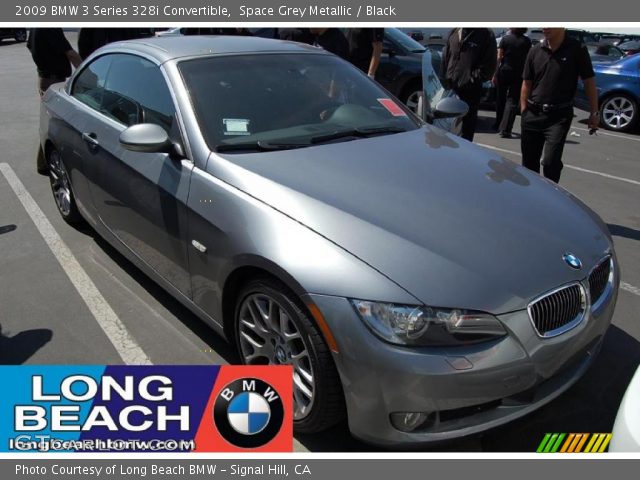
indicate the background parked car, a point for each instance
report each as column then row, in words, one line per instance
column 618, row 93
column 18, row 34
column 604, row 52
column 615, row 38
column 626, row 429
column 631, row 47
column 400, row 69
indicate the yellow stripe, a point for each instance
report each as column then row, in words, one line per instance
column 584, row 439
column 595, row 448
column 594, row 437
column 567, row 442
column 604, row 445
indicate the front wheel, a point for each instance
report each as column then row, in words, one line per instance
column 20, row 35
column 61, row 188
column 619, row 112
column 272, row 328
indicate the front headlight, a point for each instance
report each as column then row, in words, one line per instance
column 427, row 326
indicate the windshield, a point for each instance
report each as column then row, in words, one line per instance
column 287, row 100
column 403, row 40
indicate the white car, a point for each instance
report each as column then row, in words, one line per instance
column 626, row 429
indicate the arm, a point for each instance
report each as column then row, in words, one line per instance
column 524, row 94
column 592, row 95
column 73, row 57
column 588, row 77
column 375, row 58
column 499, row 58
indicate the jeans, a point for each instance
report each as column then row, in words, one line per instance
column 548, row 131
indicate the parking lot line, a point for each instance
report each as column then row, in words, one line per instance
column 600, row 132
column 114, row 329
column 572, row 167
column 630, row 288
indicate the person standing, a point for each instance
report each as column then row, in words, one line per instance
column 365, row 48
column 332, row 40
column 512, row 53
column 549, row 84
column 91, row 39
column 469, row 60
column 53, row 56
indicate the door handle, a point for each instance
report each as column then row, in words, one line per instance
column 91, row 139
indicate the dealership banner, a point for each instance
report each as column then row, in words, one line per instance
column 307, row 468
column 96, row 409
column 179, row 12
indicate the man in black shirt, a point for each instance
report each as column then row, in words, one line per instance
column 332, row 40
column 549, row 84
column 301, row 35
column 91, row 39
column 365, row 48
column 52, row 55
column 512, row 53
column 469, row 60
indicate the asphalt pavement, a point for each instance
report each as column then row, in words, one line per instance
column 67, row 297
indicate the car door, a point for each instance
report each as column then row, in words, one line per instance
column 433, row 92
column 390, row 66
column 140, row 197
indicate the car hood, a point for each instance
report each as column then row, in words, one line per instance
column 454, row 224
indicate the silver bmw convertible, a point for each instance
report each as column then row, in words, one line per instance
column 422, row 287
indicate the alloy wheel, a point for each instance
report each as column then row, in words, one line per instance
column 60, row 184
column 618, row 112
column 413, row 100
column 270, row 336
column 20, row 35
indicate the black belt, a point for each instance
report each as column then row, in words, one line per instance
column 549, row 107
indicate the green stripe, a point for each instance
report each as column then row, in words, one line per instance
column 547, row 449
column 543, row 443
column 558, row 443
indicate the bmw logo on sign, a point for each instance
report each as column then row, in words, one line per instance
column 573, row 261
column 248, row 412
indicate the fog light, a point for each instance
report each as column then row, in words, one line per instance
column 412, row 421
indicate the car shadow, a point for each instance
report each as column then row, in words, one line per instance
column 179, row 311
column 589, row 406
column 18, row 348
column 622, row 231
column 7, row 42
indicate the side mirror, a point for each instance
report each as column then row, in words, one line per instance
column 146, row 137
column 450, row 107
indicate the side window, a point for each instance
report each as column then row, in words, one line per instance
column 136, row 92
column 89, row 85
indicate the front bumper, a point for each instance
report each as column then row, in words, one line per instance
column 471, row 388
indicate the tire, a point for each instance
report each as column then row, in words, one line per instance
column 619, row 112
column 259, row 343
column 20, row 35
column 61, row 189
column 410, row 95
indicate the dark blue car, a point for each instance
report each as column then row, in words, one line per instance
column 618, row 93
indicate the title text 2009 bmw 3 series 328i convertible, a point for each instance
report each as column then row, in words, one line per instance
column 420, row 285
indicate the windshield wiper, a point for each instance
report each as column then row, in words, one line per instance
column 355, row 132
column 260, row 146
